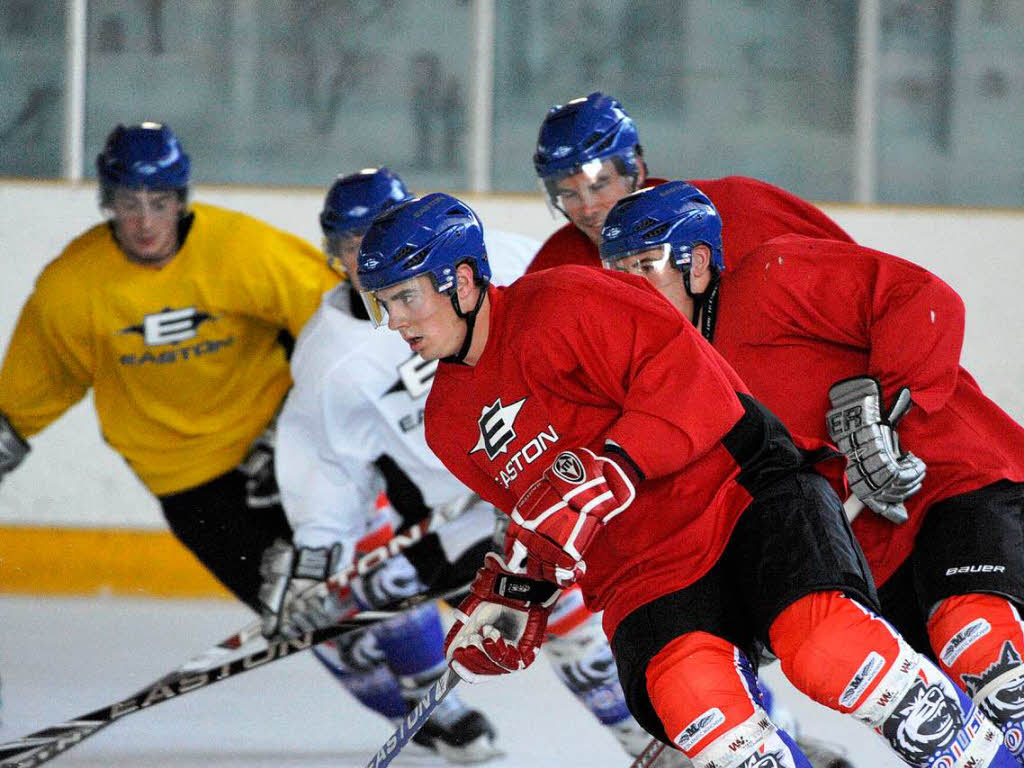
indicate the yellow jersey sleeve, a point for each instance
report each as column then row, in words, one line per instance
column 48, row 364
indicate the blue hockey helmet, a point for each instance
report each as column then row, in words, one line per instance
column 586, row 129
column 675, row 214
column 147, row 155
column 353, row 201
column 431, row 235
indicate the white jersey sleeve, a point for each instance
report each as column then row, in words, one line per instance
column 358, row 395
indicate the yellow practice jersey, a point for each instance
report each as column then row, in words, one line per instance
column 184, row 360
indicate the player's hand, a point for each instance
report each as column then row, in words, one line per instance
column 386, row 583
column 559, row 516
column 261, row 489
column 501, row 623
column 293, row 598
column 880, row 474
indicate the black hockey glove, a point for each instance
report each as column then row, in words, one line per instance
column 261, row 489
column 13, row 448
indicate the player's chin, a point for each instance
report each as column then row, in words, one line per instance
column 593, row 232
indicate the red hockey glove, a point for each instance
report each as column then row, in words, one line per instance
column 501, row 623
column 560, row 514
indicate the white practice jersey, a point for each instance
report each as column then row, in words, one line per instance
column 359, row 395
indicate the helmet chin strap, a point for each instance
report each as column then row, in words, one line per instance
column 705, row 301
column 470, row 318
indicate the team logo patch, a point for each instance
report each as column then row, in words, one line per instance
column 568, row 467
column 863, row 677
column 169, row 326
column 497, row 427
column 415, row 376
column 963, row 640
column 699, row 728
column 925, row 721
column 1006, row 702
column 767, row 760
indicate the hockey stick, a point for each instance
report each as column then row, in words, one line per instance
column 414, row 720
column 650, row 755
column 336, row 583
column 44, row 745
column 853, row 507
column 210, row 667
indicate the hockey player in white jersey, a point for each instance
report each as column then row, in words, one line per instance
column 352, row 423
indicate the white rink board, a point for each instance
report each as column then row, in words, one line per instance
column 72, row 479
column 61, row 658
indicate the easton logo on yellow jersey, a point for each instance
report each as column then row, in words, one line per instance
column 169, row 326
column 172, row 326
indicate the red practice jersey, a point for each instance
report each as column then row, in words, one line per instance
column 752, row 212
column 800, row 313
column 590, row 355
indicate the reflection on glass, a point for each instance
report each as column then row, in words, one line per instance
column 31, row 87
column 288, row 91
column 951, row 103
column 717, row 87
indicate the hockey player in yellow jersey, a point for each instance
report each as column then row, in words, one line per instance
column 171, row 312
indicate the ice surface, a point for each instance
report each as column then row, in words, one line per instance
column 63, row 657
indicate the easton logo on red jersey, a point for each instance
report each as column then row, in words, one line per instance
column 497, row 427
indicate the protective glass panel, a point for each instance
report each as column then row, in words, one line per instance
column 951, row 103
column 31, row 87
column 288, row 92
column 716, row 87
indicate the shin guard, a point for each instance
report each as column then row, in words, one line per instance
column 705, row 693
column 845, row 657
column 979, row 641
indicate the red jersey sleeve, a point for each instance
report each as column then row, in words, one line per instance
column 676, row 394
column 910, row 322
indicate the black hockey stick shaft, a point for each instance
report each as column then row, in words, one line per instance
column 206, row 668
column 44, row 745
column 415, row 720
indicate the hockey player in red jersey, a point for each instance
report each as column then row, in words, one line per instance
column 633, row 461
column 825, row 333
column 589, row 156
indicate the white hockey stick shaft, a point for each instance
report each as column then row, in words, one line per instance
column 853, row 507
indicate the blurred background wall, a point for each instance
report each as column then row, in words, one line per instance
column 905, row 119
column 888, row 101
